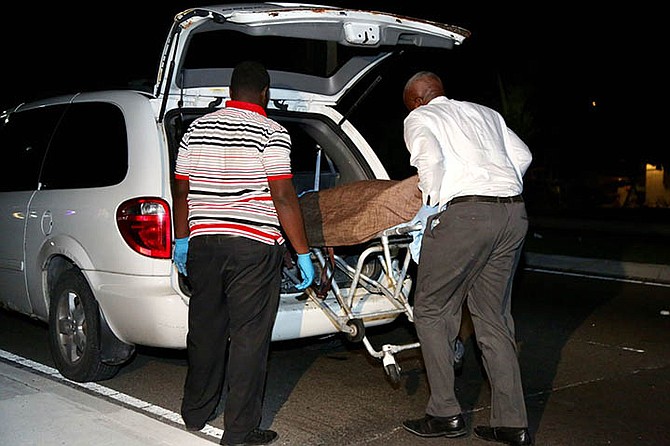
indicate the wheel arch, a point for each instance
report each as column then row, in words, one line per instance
column 113, row 351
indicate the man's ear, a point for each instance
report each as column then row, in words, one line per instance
column 414, row 103
column 266, row 96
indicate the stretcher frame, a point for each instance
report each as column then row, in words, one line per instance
column 391, row 249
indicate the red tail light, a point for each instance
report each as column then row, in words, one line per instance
column 146, row 226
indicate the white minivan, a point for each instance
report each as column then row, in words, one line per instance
column 85, row 204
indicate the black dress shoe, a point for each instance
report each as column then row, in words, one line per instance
column 430, row 426
column 257, row 437
column 515, row 436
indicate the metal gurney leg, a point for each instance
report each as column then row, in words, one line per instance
column 348, row 316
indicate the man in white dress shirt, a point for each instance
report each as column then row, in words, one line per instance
column 471, row 167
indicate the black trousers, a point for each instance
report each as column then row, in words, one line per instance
column 235, row 296
column 471, row 250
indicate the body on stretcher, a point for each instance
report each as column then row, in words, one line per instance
column 359, row 234
column 366, row 290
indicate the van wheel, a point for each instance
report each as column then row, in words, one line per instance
column 74, row 331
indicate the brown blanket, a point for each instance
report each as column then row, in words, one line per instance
column 357, row 212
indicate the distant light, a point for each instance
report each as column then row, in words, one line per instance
column 593, row 103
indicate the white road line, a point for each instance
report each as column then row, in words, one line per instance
column 595, row 276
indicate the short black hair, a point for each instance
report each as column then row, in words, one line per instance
column 249, row 77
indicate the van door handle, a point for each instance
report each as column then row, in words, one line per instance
column 47, row 223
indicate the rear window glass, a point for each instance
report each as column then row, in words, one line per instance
column 225, row 49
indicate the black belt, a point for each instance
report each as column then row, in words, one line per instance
column 485, row 199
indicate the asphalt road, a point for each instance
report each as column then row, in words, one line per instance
column 595, row 357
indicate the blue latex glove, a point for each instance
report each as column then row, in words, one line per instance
column 417, row 236
column 422, row 216
column 306, row 271
column 180, row 253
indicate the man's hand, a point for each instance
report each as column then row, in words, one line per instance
column 180, row 254
column 422, row 216
column 306, row 271
column 417, row 236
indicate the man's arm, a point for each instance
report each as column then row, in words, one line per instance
column 518, row 151
column 180, row 190
column 290, row 216
column 426, row 156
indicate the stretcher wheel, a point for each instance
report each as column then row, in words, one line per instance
column 358, row 330
column 393, row 372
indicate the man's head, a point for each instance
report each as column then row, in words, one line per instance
column 421, row 88
column 250, row 82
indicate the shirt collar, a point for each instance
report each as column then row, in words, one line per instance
column 246, row 106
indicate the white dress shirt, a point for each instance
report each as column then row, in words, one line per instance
column 461, row 148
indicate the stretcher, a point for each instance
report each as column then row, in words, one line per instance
column 362, row 281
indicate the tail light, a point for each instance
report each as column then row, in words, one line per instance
column 146, row 226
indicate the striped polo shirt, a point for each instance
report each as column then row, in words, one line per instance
column 229, row 157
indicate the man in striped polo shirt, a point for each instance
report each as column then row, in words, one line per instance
column 234, row 202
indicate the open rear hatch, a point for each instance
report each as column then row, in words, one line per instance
column 313, row 53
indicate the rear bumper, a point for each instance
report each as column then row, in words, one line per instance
column 144, row 310
column 150, row 311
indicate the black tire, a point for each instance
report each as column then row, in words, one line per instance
column 74, row 331
column 358, row 332
column 372, row 267
column 393, row 372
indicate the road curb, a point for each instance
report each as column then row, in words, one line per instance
column 603, row 267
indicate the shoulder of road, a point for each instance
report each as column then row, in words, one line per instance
column 40, row 407
column 629, row 246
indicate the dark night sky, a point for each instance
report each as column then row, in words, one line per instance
column 564, row 57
